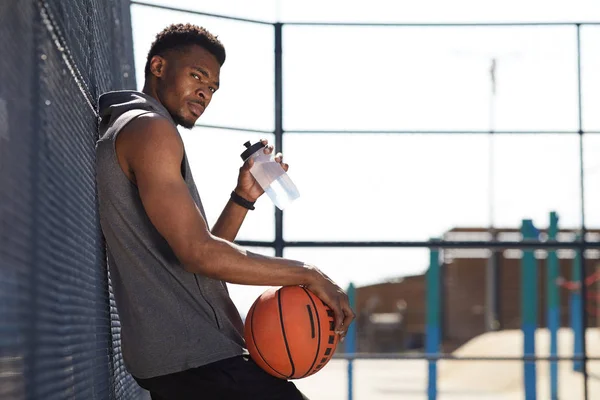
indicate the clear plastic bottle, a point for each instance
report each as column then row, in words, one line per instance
column 270, row 175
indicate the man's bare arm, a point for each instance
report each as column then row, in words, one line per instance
column 152, row 150
column 230, row 221
column 233, row 215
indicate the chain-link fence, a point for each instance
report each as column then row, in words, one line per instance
column 59, row 335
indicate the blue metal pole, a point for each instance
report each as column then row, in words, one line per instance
column 529, row 309
column 576, row 311
column 432, row 329
column 351, row 341
column 553, row 305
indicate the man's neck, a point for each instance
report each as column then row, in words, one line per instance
column 150, row 91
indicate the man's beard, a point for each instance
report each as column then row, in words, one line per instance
column 182, row 122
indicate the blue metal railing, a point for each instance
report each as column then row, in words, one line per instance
column 529, row 313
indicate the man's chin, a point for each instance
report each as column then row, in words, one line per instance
column 186, row 123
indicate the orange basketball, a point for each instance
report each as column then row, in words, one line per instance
column 289, row 332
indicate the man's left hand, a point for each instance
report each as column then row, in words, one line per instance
column 247, row 187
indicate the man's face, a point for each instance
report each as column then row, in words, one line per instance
column 186, row 81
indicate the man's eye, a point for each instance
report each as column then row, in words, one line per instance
column 195, row 76
column 212, row 90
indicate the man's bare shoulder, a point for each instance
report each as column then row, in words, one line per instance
column 149, row 141
column 151, row 131
column 150, row 125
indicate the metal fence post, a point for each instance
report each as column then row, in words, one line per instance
column 553, row 303
column 576, row 310
column 432, row 327
column 351, row 341
column 529, row 303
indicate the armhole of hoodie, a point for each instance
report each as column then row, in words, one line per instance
column 117, row 128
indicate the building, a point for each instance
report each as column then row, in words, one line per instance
column 391, row 315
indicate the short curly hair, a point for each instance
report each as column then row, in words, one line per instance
column 178, row 36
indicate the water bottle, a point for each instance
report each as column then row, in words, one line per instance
column 270, row 175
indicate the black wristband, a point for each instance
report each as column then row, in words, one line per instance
column 237, row 199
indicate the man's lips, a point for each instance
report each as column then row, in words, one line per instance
column 196, row 108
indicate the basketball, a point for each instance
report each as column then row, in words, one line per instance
column 289, row 332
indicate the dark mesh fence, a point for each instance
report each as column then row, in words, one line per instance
column 59, row 331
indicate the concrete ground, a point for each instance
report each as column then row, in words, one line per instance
column 460, row 380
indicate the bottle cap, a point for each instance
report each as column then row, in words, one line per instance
column 251, row 149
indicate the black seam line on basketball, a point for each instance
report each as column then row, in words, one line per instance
column 287, row 348
column 318, row 330
column 258, row 348
column 312, row 322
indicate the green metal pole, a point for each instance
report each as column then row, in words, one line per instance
column 529, row 309
column 432, row 323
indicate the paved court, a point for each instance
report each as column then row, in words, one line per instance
column 459, row 380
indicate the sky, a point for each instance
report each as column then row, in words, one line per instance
column 358, row 186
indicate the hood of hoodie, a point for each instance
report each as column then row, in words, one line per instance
column 111, row 105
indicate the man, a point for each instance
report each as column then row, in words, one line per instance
column 182, row 336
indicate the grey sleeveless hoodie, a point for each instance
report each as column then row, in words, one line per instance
column 171, row 320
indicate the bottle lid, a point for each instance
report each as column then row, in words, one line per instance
column 251, row 149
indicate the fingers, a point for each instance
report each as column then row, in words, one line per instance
column 248, row 164
column 348, row 317
column 334, row 304
column 338, row 315
column 343, row 314
column 279, row 159
column 336, row 300
column 269, row 148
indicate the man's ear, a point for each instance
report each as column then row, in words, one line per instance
column 157, row 66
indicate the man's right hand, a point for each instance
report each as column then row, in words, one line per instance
column 325, row 289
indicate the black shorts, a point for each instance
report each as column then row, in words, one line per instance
column 237, row 378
